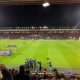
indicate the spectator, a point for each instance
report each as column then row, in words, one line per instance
column 1, row 76
column 6, row 74
column 22, row 75
column 45, row 76
column 36, row 76
column 28, row 77
column 13, row 71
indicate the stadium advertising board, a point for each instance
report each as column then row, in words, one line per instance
column 5, row 53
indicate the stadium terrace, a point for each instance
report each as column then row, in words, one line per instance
column 60, row 34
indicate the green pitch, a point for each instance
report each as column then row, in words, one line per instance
column 62, row 53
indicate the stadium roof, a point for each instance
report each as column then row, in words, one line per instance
column 36, row 2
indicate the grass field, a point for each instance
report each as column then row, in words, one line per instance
column 62, row 53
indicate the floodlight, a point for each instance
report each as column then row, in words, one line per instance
column 46, row 4
column 32, row 27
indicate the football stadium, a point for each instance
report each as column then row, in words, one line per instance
column 40, row 40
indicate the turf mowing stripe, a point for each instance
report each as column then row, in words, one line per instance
column 69, row 55
column 8, row 59
column 75, row 53
column 42, row 52
column 56, row 56
column 26, row 53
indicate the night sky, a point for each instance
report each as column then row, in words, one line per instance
column 37, row 15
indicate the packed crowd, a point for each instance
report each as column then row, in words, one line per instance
column 59, row 34
column 25, row 74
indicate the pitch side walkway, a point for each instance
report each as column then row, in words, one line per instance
column 73, row 70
